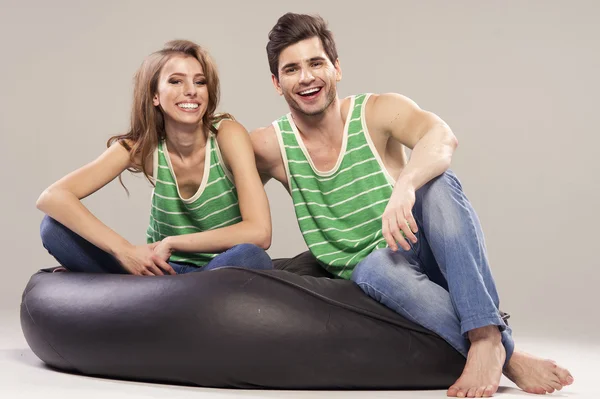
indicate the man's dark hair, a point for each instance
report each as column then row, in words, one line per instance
column 292, row 28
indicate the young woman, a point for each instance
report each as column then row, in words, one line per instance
column 209, row 208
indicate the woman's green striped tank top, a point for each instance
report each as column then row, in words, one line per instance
column 214, row 205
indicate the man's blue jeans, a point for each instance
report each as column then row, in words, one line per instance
column 77, row 254
column 444, row 282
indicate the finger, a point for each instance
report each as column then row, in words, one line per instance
column 414, row 227
column 145, row 272
column 398, row 237
column 403, row 224
column 385, row 230
column 154, row 244
column 163, row 265
column 154, row 270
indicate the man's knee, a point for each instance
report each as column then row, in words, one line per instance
column 444, row 186
column 442, row 200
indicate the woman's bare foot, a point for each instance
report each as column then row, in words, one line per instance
column 483, row 370
column 535, row 375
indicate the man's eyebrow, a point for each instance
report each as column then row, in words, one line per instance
column 294, row 64
column 289, row 64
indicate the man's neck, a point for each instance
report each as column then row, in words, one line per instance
column 328, row 124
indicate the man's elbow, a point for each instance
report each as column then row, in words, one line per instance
column 450, row 144
column 453, row 141
column 447, row 135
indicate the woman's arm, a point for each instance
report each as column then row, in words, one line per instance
column 255, row 227
column 61, row 201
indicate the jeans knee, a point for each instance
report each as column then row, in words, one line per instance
column 249, row 249
column 442, row 187
column 50, row 232
column 442, row 199
column 255, row 255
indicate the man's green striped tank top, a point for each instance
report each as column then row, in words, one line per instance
column 214, row 205
column 339, row 212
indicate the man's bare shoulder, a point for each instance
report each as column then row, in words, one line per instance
column 264, row 141
column 385, row 101
column 268, row 155
column 398, row 116
column 265, row 133
column 386, row 109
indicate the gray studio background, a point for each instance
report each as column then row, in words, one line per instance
column 516, row 80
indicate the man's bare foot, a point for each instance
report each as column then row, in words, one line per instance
column 535, row 375
column 483, row 369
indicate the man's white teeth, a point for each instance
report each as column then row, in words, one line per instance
column 188, row 105
column 310, row 91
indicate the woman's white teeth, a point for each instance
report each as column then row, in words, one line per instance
column 310, row 91
column 188, row 105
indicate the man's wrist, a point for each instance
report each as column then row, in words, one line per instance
column 406, row 179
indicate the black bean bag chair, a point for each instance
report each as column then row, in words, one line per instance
column 230, row 328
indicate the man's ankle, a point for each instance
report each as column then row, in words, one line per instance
column 486, row 333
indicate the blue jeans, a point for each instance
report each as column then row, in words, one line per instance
column 77, row 254
column 444, row 282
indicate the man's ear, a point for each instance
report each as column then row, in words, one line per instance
column 338, row 70
column 276, row 84
column 156, row 101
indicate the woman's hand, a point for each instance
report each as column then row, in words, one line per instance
column 162, row 250
column 141, row 260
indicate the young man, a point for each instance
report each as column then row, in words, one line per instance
column 402, row 229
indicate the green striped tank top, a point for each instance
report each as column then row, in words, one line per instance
column 214, row 205
column 339, row 212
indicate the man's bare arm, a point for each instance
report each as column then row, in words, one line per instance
column 431, row 140
column 268, row 156
column 432, row 143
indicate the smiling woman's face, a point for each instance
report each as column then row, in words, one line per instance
column 182, row 92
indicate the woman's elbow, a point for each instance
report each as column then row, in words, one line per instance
column 43, row 200
column 265, row 239
column 262, row 236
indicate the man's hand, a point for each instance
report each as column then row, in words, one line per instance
column 398, row 221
